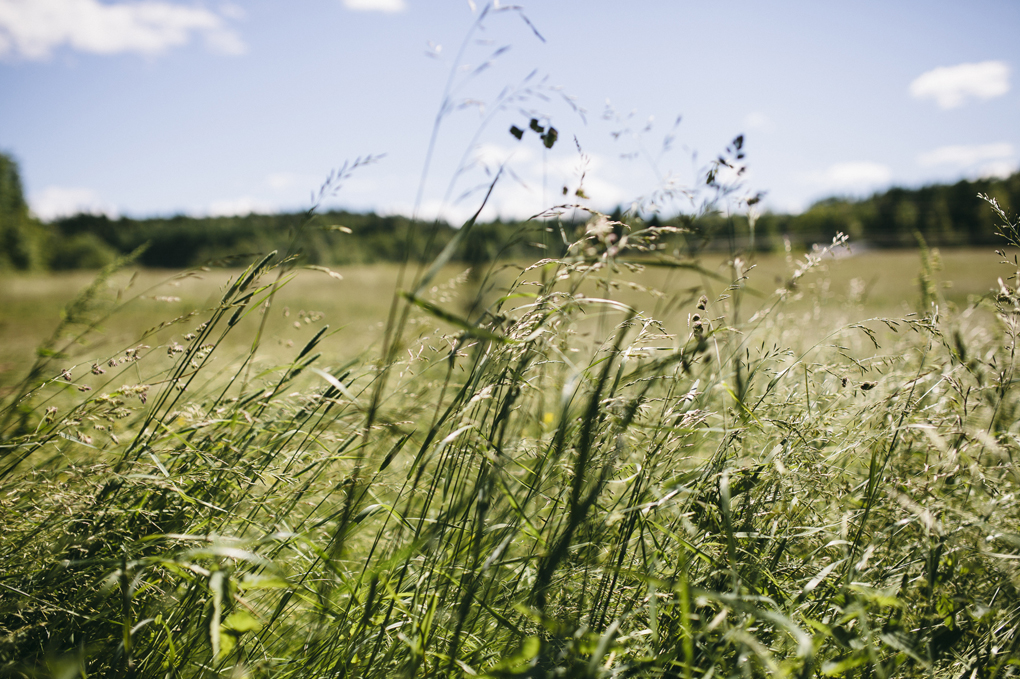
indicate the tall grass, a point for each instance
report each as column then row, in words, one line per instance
column 530, row 498
column 552, row 485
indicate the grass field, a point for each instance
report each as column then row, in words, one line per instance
column 615, row 471
column 851, row 288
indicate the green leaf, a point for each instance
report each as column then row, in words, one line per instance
column 834, row 668
column 550, row 137
column 262, row 581
column 240, row 622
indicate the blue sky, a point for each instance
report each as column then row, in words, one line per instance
column 156, row 107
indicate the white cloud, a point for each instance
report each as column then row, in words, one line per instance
column 387, row 6
column 55, row 202
column 532, row 182
column 491, row 156
column 965, row 156
column 239, row 207
column 999, row 169
column 32, row 29
column 953, row 86
column 520, row 193
column 853, row 176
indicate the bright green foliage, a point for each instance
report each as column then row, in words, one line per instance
column 556, row 487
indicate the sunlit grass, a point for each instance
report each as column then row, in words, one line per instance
column 869, row 284
column 559, row 485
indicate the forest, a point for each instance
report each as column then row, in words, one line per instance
column 944, row 215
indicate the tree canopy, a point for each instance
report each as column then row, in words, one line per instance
column 942, row 214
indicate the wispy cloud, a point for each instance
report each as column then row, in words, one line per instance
column 55, row 202
column 32, row 29
column 983, row 160
column 964, row 156
column 953, row 86
column 852, row 176
column 386, row 6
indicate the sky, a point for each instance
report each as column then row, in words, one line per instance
column 209, row 107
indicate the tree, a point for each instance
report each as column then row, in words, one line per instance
column 20, row 236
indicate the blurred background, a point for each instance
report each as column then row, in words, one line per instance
column 214, row 132
column 205, row 108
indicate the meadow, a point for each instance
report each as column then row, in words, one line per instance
column 859, row 284
column 586, row 466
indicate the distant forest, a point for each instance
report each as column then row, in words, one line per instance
column 945, row 215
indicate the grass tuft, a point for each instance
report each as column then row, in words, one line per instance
column 529, row 499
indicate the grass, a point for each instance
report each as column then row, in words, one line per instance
column 355, row 305
column 560, row 486
column 625, row 462
column 872, row 283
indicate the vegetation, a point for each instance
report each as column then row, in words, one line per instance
column 531, row 474
column 943, row 215
column 556, row 487
column 20, row 237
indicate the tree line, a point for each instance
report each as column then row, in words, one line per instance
column 943, row 214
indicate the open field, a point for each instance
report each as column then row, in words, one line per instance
column 719, row 480
column 851, row 288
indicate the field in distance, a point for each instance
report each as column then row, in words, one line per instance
column 848, row 288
